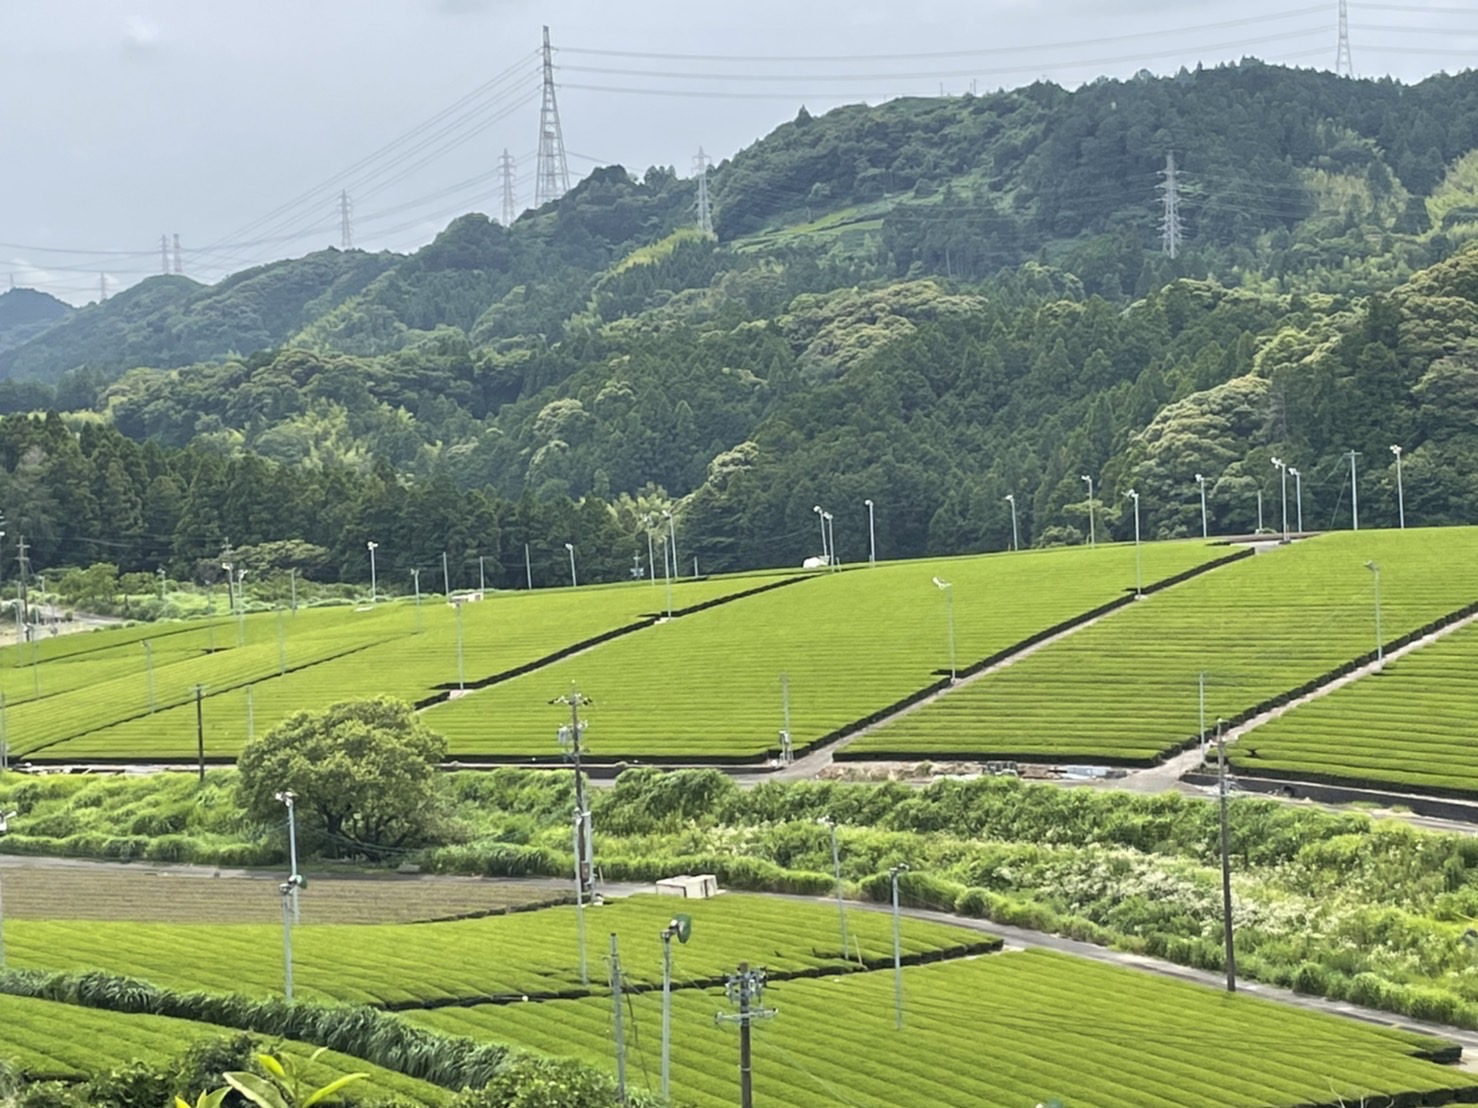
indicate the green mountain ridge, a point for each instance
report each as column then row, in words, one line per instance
column 930, row 303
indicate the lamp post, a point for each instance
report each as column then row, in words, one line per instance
column 1282, row 468
column 1201, row 481
column 821, row 516
column 1298, row 496
column 872, row 537
column 372, row 546
column 1138, row 562
column 949, row 606
column 1380, row 648
column 1092, row 532
column 836, row 867
column 1015, row 534
column 681, row 926
column 574, row 581
column 667, row 566
column 671, row 538
column 1400, row 490
column 646, row 522
column 829, row 522
column 893, row 873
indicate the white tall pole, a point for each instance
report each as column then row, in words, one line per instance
column 897, row 950
column 1298, row 496
column 1015, row 535
column 574, row 581
column 667, row 933
column 668, row 568
column 651, row 550
column 287, row 942
column 949, row 606
column 1201, row 481
column 289, row 798
column 1380, row 647
column 1400, row 490
column 821, row 516
column 372, row 546
column 872, row 538
column 1282, row 468
column 1092, row 530
column 1138, row 562
column 1354, row 494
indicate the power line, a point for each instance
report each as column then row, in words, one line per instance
column 1029, row 67
column 1050, row 47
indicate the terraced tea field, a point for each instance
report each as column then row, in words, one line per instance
column 852, row 644
column 528, row 953
column 47, row 1039
column 1005, row 1030
column 1125, row 689
column 50, row 892
column 94, row 703
column 1411, row 726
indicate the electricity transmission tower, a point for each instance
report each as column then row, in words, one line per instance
column 1171, row 232
column 164, row 254
column 705, row 209
column 179, row 258
column 346, row 221
column 510, row 205
column 552, row 173
column 1342, row 62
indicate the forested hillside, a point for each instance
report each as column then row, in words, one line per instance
column 930, row 303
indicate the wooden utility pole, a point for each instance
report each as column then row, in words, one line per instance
column 200, row 729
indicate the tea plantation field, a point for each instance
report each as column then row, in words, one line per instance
column 1126, row 688
column 528, row 953
column 1411, row 725
column 1005, row 1030
column 95, row 691
column 852, row 644
column 48, row 1039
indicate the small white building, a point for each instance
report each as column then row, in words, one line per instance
column 701, row 887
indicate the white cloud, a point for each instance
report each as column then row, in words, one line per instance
column 140, row 36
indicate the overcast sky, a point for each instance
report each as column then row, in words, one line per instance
column 236, row 124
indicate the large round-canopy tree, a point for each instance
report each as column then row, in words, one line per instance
column 364, row 773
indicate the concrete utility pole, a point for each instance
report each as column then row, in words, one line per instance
column 510, row 203
column 744, row 990
column 22, row 561
column 701, row 163
column 569, row 736
column 1354, row 492
column 1171, row 232
column 552, row 171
